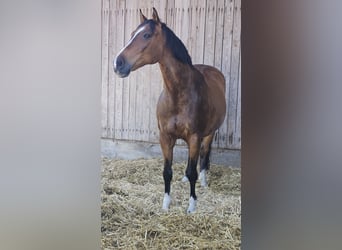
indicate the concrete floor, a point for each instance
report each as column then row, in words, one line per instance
column 135, row 150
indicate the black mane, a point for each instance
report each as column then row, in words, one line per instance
column 176, row 46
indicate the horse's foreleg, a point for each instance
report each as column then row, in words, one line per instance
column 167, row 143
column 191, row 170
column 205, row 158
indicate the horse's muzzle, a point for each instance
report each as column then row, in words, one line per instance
column 121, row 67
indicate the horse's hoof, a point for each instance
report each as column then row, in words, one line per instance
column 203, row 178
column 166, row 202
column 192, row 206
column 185, row 179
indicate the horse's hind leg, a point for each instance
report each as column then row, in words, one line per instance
column 167, row 143
column 205, row 158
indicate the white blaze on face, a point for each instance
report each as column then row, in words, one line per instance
column 141, row 29
column 166, row 202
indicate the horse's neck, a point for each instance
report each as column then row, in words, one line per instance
column 177, row 76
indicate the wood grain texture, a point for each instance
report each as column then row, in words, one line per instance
column 211, row 31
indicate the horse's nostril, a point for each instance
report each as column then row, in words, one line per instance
column 119, row 62
column 121, row 67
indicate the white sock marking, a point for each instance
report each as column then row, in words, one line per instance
column 166, row 202
column 192, row 205
column 185, row 179
column 203, row 178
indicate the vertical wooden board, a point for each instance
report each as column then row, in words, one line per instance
column 221, row 133
column 198, row 30
column 111, row 80
column 190, row 38
column 176, row 20
column 233, row 88
column 219, row 34
column 190, row 22
column 145, row 108
column 193, row 30
column 170, row 13
column 238, row 110
column 119, row 82
column 104, row 74
column 185, row 23
column 210, row 33
column 137, row 77
column 133, row 106
column 225, row 64
column 126, row 88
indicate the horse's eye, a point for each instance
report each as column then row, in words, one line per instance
column 147, row 35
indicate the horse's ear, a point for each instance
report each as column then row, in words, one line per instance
column 155, row 15
column 142, row 17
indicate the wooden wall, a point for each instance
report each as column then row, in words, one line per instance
column 210, row 29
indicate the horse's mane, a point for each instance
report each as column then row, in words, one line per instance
column 176, row 46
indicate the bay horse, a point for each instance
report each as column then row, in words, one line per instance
column 192, row 104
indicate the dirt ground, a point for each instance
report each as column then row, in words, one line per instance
column 132, row 194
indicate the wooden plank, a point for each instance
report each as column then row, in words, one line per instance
column 186, row 25
column 210, row 33
column 128, row 88
column 221, row 133
column 119, row 82
column 197, row 30
column 170, row 13
column 238, row 110
column 105, row 66
column 219, row 34
column 111, row 81
column 233, row 88
column 206, row 29
column 140, row 77
column 226, row 62
column 131, row 83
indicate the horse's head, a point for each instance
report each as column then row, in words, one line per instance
column 144, row 47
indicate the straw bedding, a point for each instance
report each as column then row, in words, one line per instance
column 132, row 194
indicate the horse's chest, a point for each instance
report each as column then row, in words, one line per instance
column 177, row 125
column 178, row 117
